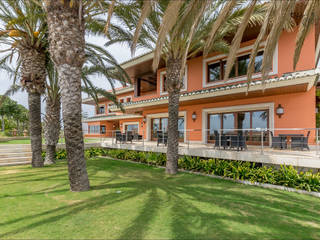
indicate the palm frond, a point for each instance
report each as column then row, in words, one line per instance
column 237, row 39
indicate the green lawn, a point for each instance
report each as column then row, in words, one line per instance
column 27, row 141
column 132, row 201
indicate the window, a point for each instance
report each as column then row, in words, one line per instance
column 128, row 99
column 103, row 129
column 163, row 82
column 102, row 110
column 216, row 70
column 243, row 63
column 134, row 128
column 121, row 100
column 109, row 108
column 94, row 129
column 239, row 120
column 161, row 124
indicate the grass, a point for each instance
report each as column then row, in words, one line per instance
column 133, row 201
column 27, row 141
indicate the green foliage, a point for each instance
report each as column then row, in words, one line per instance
column 13, row 114
column 286, row 176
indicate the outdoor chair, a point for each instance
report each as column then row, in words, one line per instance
column 300, row 142
column 119, row 137
column 278, row 142
column 162, row 138
column 217, row 138
column 129, row 136
column 137, row 137
column 238, row 142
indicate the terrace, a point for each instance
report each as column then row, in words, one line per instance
column 259, row 145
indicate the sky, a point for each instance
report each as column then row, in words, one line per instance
column 120, row 52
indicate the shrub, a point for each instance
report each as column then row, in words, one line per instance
column 285, row 176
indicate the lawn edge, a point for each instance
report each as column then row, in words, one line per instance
column 245, row 182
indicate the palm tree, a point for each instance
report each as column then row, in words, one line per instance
column 24, row 35
column 98, row 62
column 177, row 36
column 52, row 124
column 66, row 23
column 279, row 16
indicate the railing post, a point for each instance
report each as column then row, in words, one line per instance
column 317, row 141
column 188, row 138
column 143, row 138
column 112, row 137
column 262, row 150
column 220, row 138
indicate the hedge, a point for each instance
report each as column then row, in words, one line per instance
column 238, row 170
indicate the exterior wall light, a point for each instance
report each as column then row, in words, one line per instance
column 194, row 116
column 279, row 111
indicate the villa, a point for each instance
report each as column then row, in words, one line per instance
column 285, row 103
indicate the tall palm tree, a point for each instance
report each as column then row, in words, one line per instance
column 177, row 30
column 52, row 124
column 24, row 38
column 279, row 16
column 66, row 23
column 98, row 62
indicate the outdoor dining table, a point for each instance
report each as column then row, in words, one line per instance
column 289, row 136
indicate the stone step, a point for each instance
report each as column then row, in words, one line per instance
column 15, row 163
column 5, row 146
column 15, row 154
column 15, row 159
column 15, row 150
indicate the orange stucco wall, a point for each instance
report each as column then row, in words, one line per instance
column 299, row 111
column 286, row 47
column 299, row 107
column 110, row 127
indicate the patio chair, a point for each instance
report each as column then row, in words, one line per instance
column 129, row 136
column 217, row 138
column 119, row 137
column 238, row 142
column 162, row 138
column 137, row 137
column 300, row 142
column 278, row 142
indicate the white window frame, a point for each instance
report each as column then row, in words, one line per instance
column 205, row 62
column 185, row 80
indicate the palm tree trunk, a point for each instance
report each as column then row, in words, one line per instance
column 66, row 36
column 70, row 85
column 52, row 128
column 174, row 86
column 34, row 101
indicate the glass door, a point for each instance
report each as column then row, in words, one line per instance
column 162, row 125
column 155, row 128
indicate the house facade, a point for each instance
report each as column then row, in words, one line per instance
column 208, row 103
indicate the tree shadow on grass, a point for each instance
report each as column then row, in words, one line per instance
column 199, row 207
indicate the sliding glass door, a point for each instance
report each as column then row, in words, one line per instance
column 233, row 123
column 161, row 124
